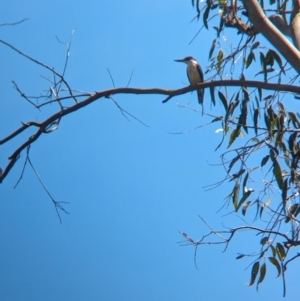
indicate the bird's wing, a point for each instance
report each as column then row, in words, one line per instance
column 187, row 73
column 200, row 72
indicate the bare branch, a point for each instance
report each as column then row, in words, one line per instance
column 15, row 23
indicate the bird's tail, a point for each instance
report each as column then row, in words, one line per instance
column 201, row 97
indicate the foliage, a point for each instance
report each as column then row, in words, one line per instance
column 263, row 172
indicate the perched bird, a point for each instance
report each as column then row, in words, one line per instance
column 195, row 74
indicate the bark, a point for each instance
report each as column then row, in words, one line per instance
column 272, row 34
column 295, row 23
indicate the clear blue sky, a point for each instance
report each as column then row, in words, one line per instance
column 130, row 187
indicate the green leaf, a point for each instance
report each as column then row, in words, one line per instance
column 293, row 212
column 259, row 93
column 249, row 59
column 287, row 158
column 254, row 272
column 255, row 45
column 219, row 60
column 275, row 262
column 262, row 61
column 235, row 194
column 273, row 251
column 280, row 251
column 268, row 201
column 243, row 117
column 245, row 181
column 292, row 143
column 223, row 100
column 212, row 48
column 245, row 207
column 233, row 161
column 276, row 170
column 237, row 175
column 269, row 58
column 262, row 274
column 277, row 58
column 212, row 95
column 264, row 160
column 284, row 192
column 268, row 123
column 294, row 120
column 218, row 118
column 264, row 241
column 205, row 15
column 255, row 119
column 243, row 199
column 297, row 209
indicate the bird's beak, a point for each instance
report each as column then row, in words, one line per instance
column 179, row 60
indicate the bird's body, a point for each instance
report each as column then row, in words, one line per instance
column 195, row 74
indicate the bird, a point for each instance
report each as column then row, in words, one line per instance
column 195, row 74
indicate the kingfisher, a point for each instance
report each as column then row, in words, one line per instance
column 195, row 74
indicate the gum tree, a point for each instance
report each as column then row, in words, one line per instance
column 261, row 174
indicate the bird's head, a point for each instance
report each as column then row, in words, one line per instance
column 187, row 60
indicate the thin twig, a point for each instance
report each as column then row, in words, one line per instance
column 57, row 205
column 111, row 77
column 15, row 23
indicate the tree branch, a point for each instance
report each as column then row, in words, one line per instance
column 271, row 33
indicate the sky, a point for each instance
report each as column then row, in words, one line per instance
column 130, row 188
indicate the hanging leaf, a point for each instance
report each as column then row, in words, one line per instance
column 264, row 241
column 294, row 120
column 243, row 199
column 237, row 175
column 223, row 100
column 297, row 209
column 233, row 161
column 243, row 116
column 269, row 58
column 276, row 170
column 281, row 107
column 268, row 201
column 245, row 207
column 212, row 48
column 292, row 143
column 293, row 212
column 254, row 272
column 240, row 256
column 245, row 181
column 212, row 95
column 264, row 160
column 249, row 59
column 287, row 158
column 280, row 251
column 255, row 45
column 235, row 194
column 219, row 60
column 277, row 58
column 262, row 274
column 284, row 192
column 234, row 134
column 273, row 251
column 255, row 119
column 275, row 262
column 205, row 15
column 262, row 60
column 259, row 93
